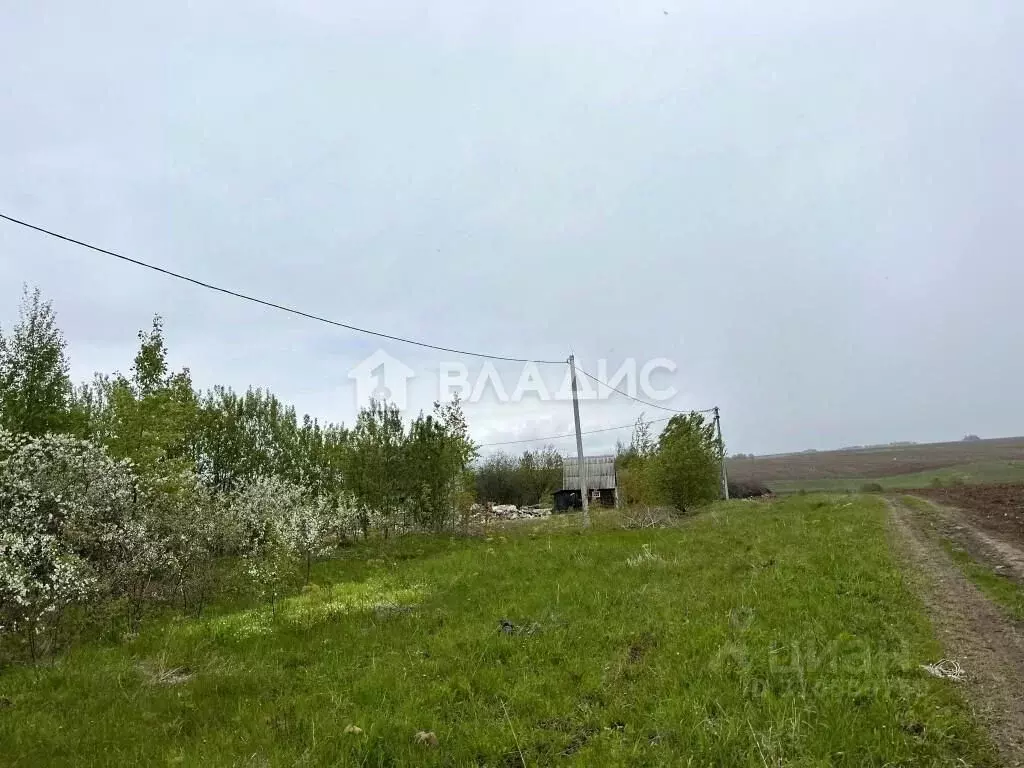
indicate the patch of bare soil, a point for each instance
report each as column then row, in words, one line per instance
column 1000, row 552
column 997, row 508
column 973, row 631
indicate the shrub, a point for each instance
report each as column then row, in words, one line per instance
column 267, row 545
column 871, row 488
column 71, row 529
column 686, row 465
column 748, row 489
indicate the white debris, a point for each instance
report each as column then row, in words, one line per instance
column 493, row 512
column 946, row 669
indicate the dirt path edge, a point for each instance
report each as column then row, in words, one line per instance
column 972, row 630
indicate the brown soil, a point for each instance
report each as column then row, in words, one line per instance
column 997, row 509
column 881, row 461
column 973, row 631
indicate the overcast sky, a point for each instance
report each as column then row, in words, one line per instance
column 815, row 209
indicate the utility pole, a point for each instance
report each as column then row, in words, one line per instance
column 721, row 456
column 579, row 444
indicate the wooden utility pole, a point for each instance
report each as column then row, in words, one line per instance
column 721, row 456
column 579, row 444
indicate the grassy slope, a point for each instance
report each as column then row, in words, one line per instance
column 978, row 472
column 752, row 634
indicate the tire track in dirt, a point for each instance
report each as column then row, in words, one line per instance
column 1004, row 555
column 973, row 631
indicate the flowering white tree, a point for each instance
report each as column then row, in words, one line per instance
column 192, row 526
column 38, row 580
column 348, row 517
column 306, row 527
column 260, row 510
column 70, row 528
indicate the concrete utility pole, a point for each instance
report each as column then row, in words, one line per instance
column 579, row 444
column 721, row 456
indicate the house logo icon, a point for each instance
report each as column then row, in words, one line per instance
column 382, row 377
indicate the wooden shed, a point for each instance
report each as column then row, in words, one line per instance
column 599, row 472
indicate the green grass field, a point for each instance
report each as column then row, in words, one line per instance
column 975, row 473
column 751, row 635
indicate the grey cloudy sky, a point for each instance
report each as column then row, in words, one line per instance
column 815, row 209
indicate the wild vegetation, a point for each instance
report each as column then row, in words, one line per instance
column 750, row 635
column 135, row 494
column 212, row 580
column 679, row 468
column 528, row 479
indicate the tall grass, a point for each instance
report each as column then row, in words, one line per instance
column 753, row 634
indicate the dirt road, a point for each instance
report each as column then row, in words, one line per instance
column 972, row 629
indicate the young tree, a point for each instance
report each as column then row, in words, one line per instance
column 152, row 416
column 376, row 467
column 261, row 510
column 35, row 390
column 194, row 528
column 496, row 479
column 242, row 437
column 635, row 466
column 306, row 528
column 437, row 454
column 685, row 468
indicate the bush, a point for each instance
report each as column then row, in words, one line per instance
column 871, row 488
column 686, row 465
column 71, row 530
column 637, row 482
column 78, row 528
column 748, row 489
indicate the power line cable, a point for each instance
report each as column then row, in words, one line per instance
column 568, row 434
column 637, row 399
column 588, row 432
column 271, row 304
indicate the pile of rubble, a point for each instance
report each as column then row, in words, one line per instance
column 490, row 512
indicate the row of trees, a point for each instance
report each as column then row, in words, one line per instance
column 528, row 479
column 135, row 489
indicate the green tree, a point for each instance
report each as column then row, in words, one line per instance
column 437, row 453
column 538, row 475
column 240, row 438
column 150, row 417
column 686, row 465
column 376, row 466
column 35, row 390
column 496, row 479
column 528, row 479
column 245, row 437
column 634, row 466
